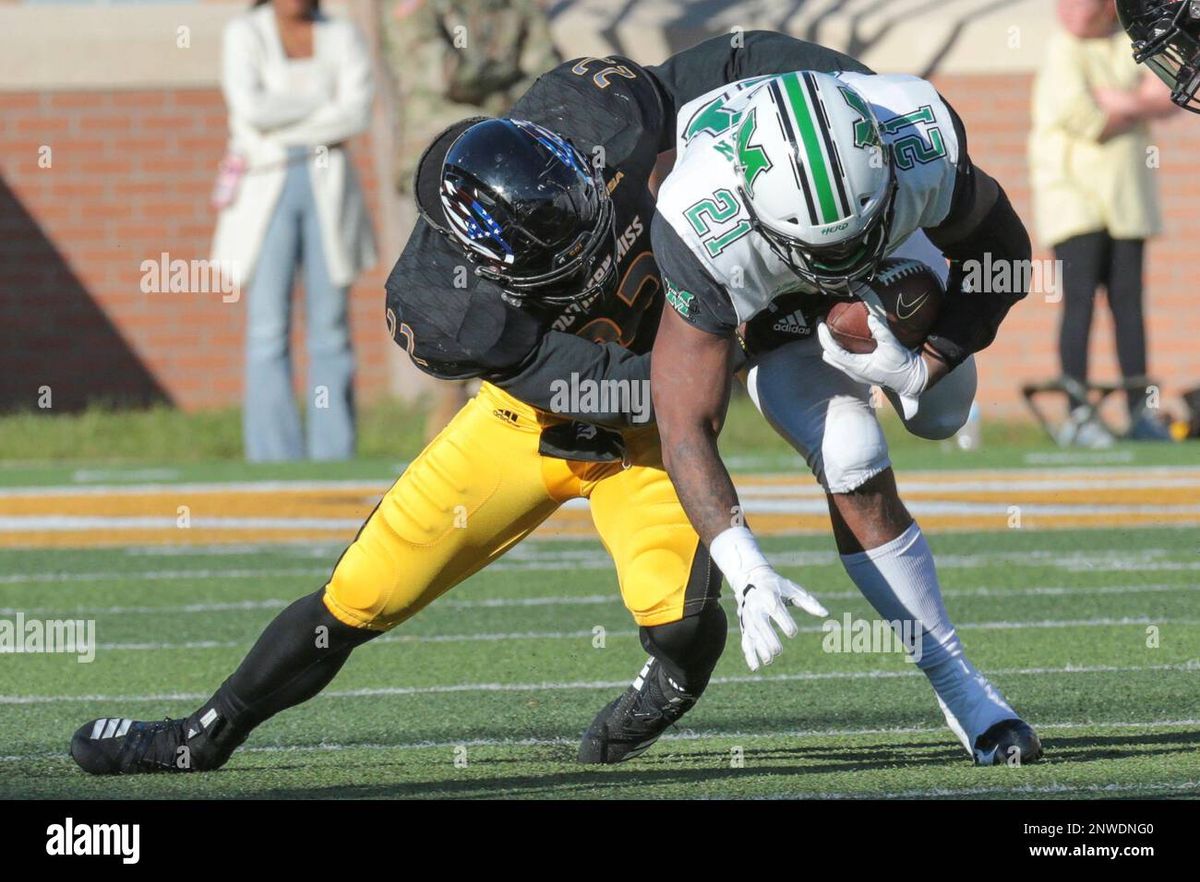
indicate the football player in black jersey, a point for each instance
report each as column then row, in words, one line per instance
column 530, row 268
column 1166, row 38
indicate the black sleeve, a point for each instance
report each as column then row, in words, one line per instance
column 977, row 303
column 453, row 324
column 611, row 102
column 562, row 362
column 981, row 229
column 691, row 291
column 737, row 56
column 483, row 349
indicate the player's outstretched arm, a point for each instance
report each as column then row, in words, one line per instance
column 689, row 381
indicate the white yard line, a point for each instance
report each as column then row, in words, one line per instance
column 193, row 487
column 193, row 608
column 1088, row 476
column 761, row 505
column 588, row 634
column 535, row 555
column 162, row 575
column 577, row 600
column 371, row 692
column 1166, row 481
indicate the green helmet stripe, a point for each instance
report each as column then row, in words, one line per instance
column 817, row 163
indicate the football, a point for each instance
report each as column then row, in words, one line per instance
column 911, row 293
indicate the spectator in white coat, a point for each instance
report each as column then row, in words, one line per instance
column 298, row 86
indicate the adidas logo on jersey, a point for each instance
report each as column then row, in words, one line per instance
column 794, row 324
column 507, row 415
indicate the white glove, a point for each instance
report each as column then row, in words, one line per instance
column 892, row 365
column 763, row 595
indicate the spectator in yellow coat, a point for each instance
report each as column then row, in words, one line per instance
column 1094, row 193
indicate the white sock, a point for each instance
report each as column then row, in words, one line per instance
column 899, row 579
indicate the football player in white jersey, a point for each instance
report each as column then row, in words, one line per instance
column 792, row 189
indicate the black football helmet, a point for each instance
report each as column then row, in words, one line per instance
column 530, row 212
column 1166, row 38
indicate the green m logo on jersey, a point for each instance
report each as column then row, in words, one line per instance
column 682, row 300
column 751, row 158
column 865, row 133
column 713, row 118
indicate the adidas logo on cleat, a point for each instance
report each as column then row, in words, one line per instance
column 110, row 728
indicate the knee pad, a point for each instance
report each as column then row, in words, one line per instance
column 822, row 413
column 689, row 648
column 853, row 447
column 313, row 615
column 357, row 596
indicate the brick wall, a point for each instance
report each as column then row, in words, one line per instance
column 129, row 178
column 995, row 110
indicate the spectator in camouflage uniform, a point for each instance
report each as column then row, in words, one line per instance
column 453, row 59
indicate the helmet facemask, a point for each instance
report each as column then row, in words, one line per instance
column 834, row 268
column 816, row 178
column 1164, row 41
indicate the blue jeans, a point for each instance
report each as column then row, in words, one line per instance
column 270, row 418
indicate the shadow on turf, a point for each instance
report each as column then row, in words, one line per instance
column 662, row 768
column 1094, row 748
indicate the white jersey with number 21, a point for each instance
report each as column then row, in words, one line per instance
column 701, row 201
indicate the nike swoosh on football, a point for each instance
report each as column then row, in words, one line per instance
column 912, row 308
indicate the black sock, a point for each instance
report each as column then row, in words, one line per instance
column 690, row 648
column 298, row 654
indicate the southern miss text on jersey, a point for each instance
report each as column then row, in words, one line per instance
column 705, row 246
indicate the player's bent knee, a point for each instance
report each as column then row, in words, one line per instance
column 669, row 578
column 853, row 451
column 362, row 594
column 936, row 426
column 653, row 584
column 944, row 409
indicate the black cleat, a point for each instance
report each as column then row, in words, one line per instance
column 1008, row 743
column 633, row 722
column 114, row 746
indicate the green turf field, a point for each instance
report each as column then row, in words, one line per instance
column 485, row 693
column 1094, row 635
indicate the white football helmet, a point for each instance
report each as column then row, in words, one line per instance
column 816, row 177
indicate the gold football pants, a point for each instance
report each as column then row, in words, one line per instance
column 481, row 486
